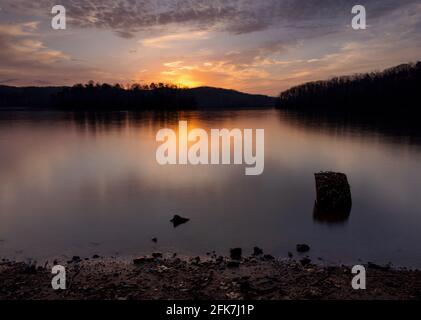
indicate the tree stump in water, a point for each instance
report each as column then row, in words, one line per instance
column 334, row 199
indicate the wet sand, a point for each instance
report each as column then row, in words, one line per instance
column 161, row 277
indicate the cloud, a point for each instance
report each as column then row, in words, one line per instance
column 127, row 17
column 19, row 49
column 26, row 60
column 22, row 29
column 167, row 40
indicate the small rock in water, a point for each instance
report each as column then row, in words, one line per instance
column 290, row 255
column 177, row 220
column 155, row 240
column 76, row 259
column 236, row 253
column 257, row 251
column 303, row 248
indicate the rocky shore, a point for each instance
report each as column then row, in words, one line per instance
column 161, row 276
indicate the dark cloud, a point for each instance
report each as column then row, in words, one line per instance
column 126, row 17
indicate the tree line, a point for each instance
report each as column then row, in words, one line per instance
column 392, row 89
column 137, row 96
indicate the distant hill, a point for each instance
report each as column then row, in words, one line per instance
column 394, row 89
column 208, row 97
column 104, row 96
column 27, row 96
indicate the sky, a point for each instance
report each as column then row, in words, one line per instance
column 254, row 46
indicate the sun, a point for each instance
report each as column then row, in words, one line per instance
column 187, row 82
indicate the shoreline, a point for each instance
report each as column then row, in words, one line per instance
column 168, row 277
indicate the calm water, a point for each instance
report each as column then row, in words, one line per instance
column 79, row 184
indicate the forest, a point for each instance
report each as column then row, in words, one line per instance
column 103, row 96
column 397, row 88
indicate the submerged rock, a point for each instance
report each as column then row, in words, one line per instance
column 177, row 220
column 333, row 197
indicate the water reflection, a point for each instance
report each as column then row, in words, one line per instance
column 399, row 127
column 331, row 217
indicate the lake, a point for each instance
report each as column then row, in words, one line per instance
column 89, row 183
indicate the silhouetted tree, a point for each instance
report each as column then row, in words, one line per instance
column 390, row 90
column 105, row 96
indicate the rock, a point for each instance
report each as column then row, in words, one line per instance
column 305, row 261
column 257, row 251
column 290, row 255
column 154, row 240
column 30, row 269
column 76, row 259
column 162, row 269
column 233, row 264
column 195, row 260
column 245, row 286
column 303, row 248
column 95, row 256
column 378, row 267
column 142, row 260
column 157, row 255
column 177, row 220
column 333, row 197
column 268, row 257
column 236, row 253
